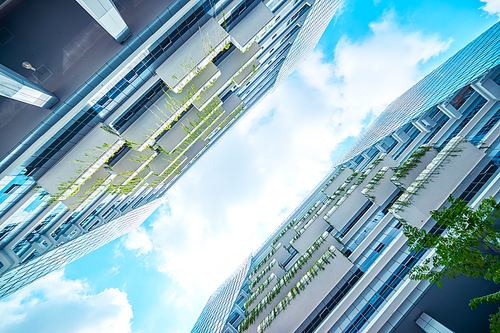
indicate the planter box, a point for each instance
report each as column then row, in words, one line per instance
column 308, row 215
column 310, row 233
column 273, row 268
column 287, row 236
column 247, row 73
column 162, row 162
column 79, row 198
column 349, row 204
column 127, row 163
column 264, row 292
column 174, row 137
column 345, row 209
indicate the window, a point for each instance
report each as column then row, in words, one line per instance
column 11, row 188
column 6, row 230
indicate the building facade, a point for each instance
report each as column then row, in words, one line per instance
column 339, row 262
column 92, row 142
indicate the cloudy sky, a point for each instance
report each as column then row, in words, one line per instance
column 158, row 278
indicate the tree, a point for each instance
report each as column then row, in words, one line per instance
column 469, row 246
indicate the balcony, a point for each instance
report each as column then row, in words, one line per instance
column 380, row 187
column 167, row 164
column 230, row 110
column 230, row 68
column 434, row 184
column 307, row 293
column 128, row 168
column 339, row 178
column 313, row 211
column 80, row 163
column 272, row 268
column 286, row 235
column 413, row 166
column 309, row 233
column 193, row 56
column 348, row 205
column 259, row 293
column 252, row 27
column 283, row 285
column 192, row 120
column 89, row 190
column 176, row 135
column 167, row 109
column 246, row 73
column 161, row 163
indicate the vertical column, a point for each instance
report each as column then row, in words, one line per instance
column 15, row 86
column 106, row 14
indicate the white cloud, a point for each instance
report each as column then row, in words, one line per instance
column 54, row 304
column 492, row 7
column 232, row 200
column 138, row 240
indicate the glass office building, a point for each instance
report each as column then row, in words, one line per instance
column 115, row 101
column 338, row 263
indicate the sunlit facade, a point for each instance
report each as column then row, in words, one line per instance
column 339, row 262
column 94, row 140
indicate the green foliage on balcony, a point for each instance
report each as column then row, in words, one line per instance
column 333, row 178
column 259, row 291
column 262, row 262
column 431, row 172
column 273, row 293
column 288, row 227
column 263, row 273
column 374, row 182
column 317, row 267
column 411, row 163
column 86, row 168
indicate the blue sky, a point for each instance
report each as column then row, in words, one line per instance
column 158, row 278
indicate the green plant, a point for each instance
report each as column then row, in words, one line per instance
column 273, row 293
column 411, row 163
column 339, row 171
column 468, row 247
column 427, row 175
column 299, row 264
column 374, row 182
column 109, row 129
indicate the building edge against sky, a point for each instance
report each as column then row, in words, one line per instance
column 97, row 164
column 338, row 263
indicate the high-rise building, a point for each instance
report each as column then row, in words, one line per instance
column 338, row 263
column 105, row 103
